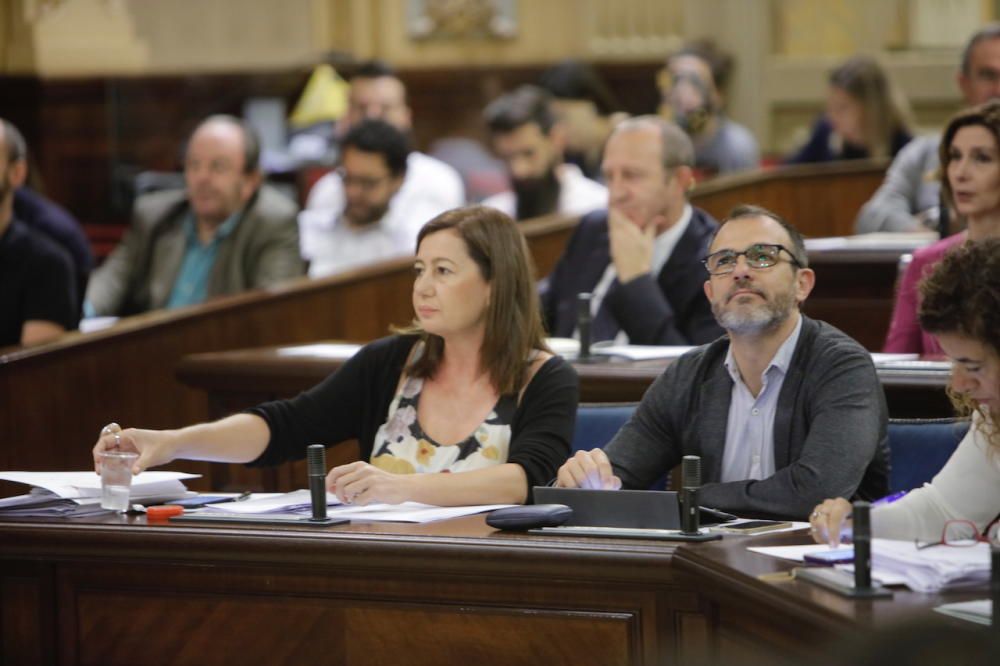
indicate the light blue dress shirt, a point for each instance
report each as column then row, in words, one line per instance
column 191, row 284
column 749, row 452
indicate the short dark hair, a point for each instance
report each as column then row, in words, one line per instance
column 743, row 211
column 988, row 31
column 720, row 62
column 373, row 69
column 251, row 142
column 378, row 136
column 572, row 79
column 985, row 115
column 523, row 105
column 17, row 148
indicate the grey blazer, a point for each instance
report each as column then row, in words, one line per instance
column 140, row 274
column 829, row 431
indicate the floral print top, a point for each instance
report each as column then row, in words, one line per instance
column 402, row 447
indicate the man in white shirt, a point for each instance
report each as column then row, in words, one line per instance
column 367, row 228
column 430, row 186
column 531, row 143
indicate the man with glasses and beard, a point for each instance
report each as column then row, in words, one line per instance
column 367, row 228
column 526, row 136
column 782, row 411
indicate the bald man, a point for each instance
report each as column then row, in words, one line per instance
column 222, row 234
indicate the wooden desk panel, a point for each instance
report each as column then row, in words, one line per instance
column 443, row 593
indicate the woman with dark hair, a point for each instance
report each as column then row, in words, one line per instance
column 961, row 307
column 866, row 116
column 469, row 387
column 970, row 184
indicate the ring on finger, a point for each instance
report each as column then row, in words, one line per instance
column 118, row 441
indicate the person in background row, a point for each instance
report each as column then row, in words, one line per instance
column 373, row 162
column 781, row 411
column 970, row 185
column 377, row 93
column 587, row 110
column 38, row 294
column 526, row 136
column 466, row 406
column 866, row 116
column 223, row 234
column 909, row 198
column 691, row 89
column 41, row 214
column 960, row 305
column 639, row 257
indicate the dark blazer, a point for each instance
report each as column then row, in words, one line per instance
column 829, row 429
column 670, row 309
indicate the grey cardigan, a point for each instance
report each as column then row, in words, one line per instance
column 829, row 431
column 139, row 275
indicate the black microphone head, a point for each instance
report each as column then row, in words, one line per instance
column 583, row 305
column 316, row 460
column 691, row 471
column 861, row 517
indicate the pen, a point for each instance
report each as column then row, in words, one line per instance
column 245, row 495
column 889, row 499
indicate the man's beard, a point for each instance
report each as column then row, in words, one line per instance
column 764, row 317
column 365, row 216
column 537, row 196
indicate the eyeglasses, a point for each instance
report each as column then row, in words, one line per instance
column 366, row 183
column 963, row 534
column 761, row 255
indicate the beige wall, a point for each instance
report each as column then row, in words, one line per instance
column 783, row 48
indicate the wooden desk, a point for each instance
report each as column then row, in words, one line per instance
column 120, row 591
column 239, row 379
column 124, row 592
column 750, row 620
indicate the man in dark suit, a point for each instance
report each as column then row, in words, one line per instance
column 640, row 258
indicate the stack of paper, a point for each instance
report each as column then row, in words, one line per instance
column 979, row 611
column 73, row 494
column 935, row 568
column 299, row 503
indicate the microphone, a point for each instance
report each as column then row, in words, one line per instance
column 995, row 585
column 690, row 482
column 316, row 463
column 862, row 546
column 583, row 324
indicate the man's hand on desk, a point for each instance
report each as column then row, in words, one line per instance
column 588, row 469
column 362, row 483
column 828, row 519
column 155, row 447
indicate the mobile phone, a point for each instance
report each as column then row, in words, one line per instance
column 203, row 500
column 752, row 527
column 835, row 556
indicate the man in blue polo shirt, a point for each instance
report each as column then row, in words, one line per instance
column 223, row 234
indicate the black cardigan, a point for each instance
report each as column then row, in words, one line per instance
column 354, row 402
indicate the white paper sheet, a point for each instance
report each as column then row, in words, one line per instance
column 328, row 350
column 88, row 484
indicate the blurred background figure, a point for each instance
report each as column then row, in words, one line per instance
column 587, row 110
column 692, row 88
column 526, row 136
column 866, row 116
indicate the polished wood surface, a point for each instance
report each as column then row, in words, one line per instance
column 118, row 590
column 239, row 379
column 753, row 620
column 125, row 592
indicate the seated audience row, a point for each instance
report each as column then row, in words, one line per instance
column 785, row 410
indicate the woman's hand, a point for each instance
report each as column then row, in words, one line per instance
column 362, row 483
column 828, row 519
column 155, row 447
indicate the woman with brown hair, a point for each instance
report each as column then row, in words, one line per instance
column 866, row 116
column 961, row 307
column 970, row 184
column 469, row 387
